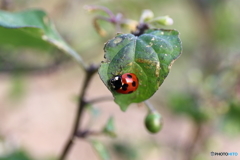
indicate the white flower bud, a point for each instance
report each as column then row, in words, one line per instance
column 163, row 20
column 146, row 15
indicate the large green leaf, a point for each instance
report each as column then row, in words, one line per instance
column 149, row 56
column 31, row 28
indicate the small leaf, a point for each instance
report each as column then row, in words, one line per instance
column 94, row 111
column 101, row 150
column 31, row 28
column 149, row 56
column 109, row 128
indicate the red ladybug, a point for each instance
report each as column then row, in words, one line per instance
column 125, row 84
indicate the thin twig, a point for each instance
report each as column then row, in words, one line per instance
column 95, row 7
column 84, row 134
column 81, row 105
column 100, row 99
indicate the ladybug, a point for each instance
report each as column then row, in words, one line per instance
column 125, row 84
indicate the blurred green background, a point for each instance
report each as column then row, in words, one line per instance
column 199, row 101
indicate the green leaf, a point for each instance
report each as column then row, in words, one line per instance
column 149, row 56
column 93, row 110
column 101, row 150
column 109, row 128
column 31, row 28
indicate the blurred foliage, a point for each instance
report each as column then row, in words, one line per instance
column 232, row 118
column 93, row 110
column 100, row 150
column 18, row 87
column 17, row 155
column 225, row 26
column 212, row 76
column 21, row 154
column 25, row 60
column 185, row 103
column 125, row 151
column 109, row 128
column 135, row 150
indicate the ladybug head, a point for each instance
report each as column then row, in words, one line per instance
column 116, row 82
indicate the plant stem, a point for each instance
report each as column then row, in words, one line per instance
column 150, row 106
column 87, row 133
column 95, row 7
column 81, row 105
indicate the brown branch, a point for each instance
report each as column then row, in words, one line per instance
column 81, row 105
column 86, row 133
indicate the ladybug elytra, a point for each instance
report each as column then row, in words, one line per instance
column 125, row 84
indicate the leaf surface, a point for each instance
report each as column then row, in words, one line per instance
column 149, row 56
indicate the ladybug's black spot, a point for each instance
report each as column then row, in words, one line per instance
column 124, row 87
column 129, row 76
column 133, row 83
column 130, row 92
